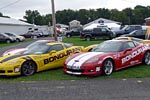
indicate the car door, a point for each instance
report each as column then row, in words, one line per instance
column 139, row 34
column 54, row 57
column 104, row 31
column 2, row 38
column 75, row 32
column 96, row 32
column 130, row 54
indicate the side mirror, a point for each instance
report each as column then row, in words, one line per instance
column 128, row 49
column 53, row 51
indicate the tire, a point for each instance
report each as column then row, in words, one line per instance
column 146, row 58
column 68, row 35
column 8, row 41
column 110, row 36
column 88, row 38
column 108, row 67
column 17, row 40
column 28, row 68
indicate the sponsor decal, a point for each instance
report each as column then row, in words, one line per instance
column 62, row 55
column 134, row 54
column 116, row 56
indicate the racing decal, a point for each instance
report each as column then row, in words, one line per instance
column 79, row 60
column 134, row 54
column 116, row 56
column 15, row 51
column 134, row 62
column 11, row 57
column 61, row 55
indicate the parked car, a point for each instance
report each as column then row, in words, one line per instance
column 133, row 39
column 36, row 43
column 22, row 50
column 38, row 58
column 109, row 56
column 136, row 33
column 18, row 37
column 127, row 29
column 6, row 38
column 31, row 34
column 99, row 32
column 73, row 32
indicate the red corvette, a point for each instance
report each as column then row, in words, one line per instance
column 109, row 56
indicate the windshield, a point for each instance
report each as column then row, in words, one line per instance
column 38, row 49
column 34, row 44
column 124, row 28
column 132, row 32
column 108, row 46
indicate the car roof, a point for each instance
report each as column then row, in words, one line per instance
column 123, row 37
column 44, row 41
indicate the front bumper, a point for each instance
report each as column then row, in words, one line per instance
column 9, row 71
column 93, row 71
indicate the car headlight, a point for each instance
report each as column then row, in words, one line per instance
column 93, row 60
column 16, row 69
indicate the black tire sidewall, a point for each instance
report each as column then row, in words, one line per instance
column 103, row 67
column 8, row 41
column 22, row 73
column 144, row 57
column 88, row 38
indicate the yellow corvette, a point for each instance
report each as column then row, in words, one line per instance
column 37, row 58
column 134, row 39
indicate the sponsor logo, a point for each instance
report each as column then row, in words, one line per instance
column 134, row 54
column 61, row 55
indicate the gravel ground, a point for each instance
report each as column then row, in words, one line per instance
column 104, row 89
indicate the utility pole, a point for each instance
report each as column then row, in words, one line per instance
column 54, row 20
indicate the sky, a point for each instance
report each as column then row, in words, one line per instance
column 16, row 8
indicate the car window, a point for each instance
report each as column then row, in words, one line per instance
column 136, row 43
column 128, row 45
column 128, row 28
column 97, row 30
column 67, row 45
column 108, row 46
column 139, row 32
column 131, row 44
column 38, row 49
column 56, row 47
column 125, row 46
column 103, row 30
column 137, row 27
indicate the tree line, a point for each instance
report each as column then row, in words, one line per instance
column 126, row 16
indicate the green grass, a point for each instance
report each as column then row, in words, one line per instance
column 139, row 71
column 77, row 41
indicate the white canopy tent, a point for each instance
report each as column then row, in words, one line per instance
column 112, row 26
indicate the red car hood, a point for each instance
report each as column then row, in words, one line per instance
column 83, row 57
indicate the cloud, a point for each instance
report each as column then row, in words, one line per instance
column 17, row 10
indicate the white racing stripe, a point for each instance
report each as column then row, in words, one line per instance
column 82, row 58
column 15, row 51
